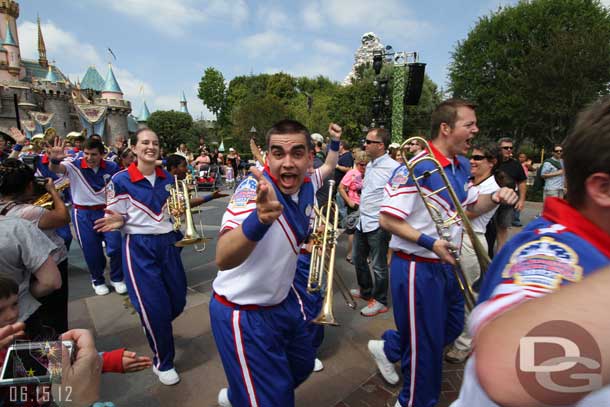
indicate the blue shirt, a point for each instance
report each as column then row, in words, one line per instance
column 376, row 176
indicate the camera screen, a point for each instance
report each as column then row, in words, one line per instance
column 23, row 363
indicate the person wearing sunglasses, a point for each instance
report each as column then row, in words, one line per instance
column 515, row 178
column 483, row 162
column 552, row 174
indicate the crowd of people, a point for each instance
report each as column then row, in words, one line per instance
column 262, row 308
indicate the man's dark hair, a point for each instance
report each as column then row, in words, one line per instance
column 491, row 151
column 586, row 150
column 95, row 137
column 174, row 161
column 505, row 140
column 446, row 112
column 92, row 144
column 345, row 144
column 382, row 134
column 288, row 126
column 15, row 176
column 8, row 286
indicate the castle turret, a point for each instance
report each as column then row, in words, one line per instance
column 111, row 89
column 183, row 107
column 144, row 114
column 42, row 49
column 51, row 76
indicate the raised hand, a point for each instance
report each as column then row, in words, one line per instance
column 50, row 185
column 506, row 196
column 335, row 131
column 56, row 152
column 267, row 205
column 111, row 221
column 17, row 135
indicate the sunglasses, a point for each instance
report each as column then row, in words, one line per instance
column 367, row 141
column 362, row 164
column 507, row 147
column 477, row 157
column 414, row 143
column 558, row 151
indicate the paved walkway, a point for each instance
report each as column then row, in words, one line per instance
column 349, row 378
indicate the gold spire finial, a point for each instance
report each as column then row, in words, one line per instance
column 42, row 49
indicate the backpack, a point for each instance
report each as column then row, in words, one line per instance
column 538, row 180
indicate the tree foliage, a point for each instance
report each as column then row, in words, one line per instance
column 172, row 128
column 530, row 68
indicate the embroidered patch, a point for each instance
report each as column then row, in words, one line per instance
column 308, row 210
column 110, row 190
column 543, row 263
column 400, row 178
column 245, row 192
column 168, row 187
column 106, row 177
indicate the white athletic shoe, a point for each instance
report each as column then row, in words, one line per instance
column 223, row 398
column 101, row 289
column 119, row 287
column 317, row 365
column 385, row 366
column 167, row 377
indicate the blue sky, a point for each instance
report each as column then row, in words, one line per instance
column 163, row 46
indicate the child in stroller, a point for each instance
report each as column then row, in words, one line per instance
column 208, row 178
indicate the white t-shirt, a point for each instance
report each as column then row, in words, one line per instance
column 489, row 186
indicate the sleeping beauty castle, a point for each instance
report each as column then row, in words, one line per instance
column 36, row 94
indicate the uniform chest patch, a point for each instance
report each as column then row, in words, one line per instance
column 400, row 178
column 544, row 263
column 110, row 193
column 246, row 192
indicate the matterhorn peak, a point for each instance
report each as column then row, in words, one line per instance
column 370, row 42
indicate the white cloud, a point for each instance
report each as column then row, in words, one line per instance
column 268, row 43
column 59, row 43
column 312, row 16
column 272, row 16
column 329, row 47
column 175, row 16
column 391, row 21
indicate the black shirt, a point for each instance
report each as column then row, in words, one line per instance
column 345, row 160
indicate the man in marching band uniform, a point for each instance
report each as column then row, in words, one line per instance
column 428, row 304
column 257, row 317
column 88, row 178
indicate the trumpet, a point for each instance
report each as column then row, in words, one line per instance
column 322, row 265
column 178, row 204
column 46, row 200
column 443, row 226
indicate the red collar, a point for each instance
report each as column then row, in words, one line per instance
column 83, row 163
column 274, row 179
column 135, row 175
column 559, row 211
column 44, row 158
column 444, row 161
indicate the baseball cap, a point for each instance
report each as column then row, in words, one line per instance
column 231, row 149
column 394, row 145
column 317, row 137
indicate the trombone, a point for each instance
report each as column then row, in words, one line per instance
column 443, row 226
column 178, row 204
column 322, row 265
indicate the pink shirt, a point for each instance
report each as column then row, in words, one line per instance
column 352, row 180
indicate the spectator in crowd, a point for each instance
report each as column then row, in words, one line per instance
column 553, row 174
column 16, row 189
column 483, row 162
column 26, row 255
column 527, row 167
column 183, row 151
column 4, row 149
column 346, row 163
column 370, row 238
column 203, row 161
column 318, row 145
column 350, row 189
column 126, row 157
column 233, row 160
column 515, row 179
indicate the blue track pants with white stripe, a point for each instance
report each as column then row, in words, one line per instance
column 429, row 315
column 266, row 353
column 91, row 243
column 156, row 284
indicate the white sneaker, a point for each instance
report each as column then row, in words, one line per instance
column 373, row 308
column 119, row 287
column 385, row 366
column 223, row 398
column 101, row 289
column 317, row 365
column 355, row 292
column 167, row 377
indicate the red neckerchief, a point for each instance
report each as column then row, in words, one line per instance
column 559, row 211
column 83, row 163
column 444, row 161
column 135, row 175
column 274, row 179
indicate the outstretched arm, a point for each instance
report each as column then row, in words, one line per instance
column 332, row 157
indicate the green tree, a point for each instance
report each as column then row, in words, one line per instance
column 172, row 128
column 530, row 68
column 212, row 91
